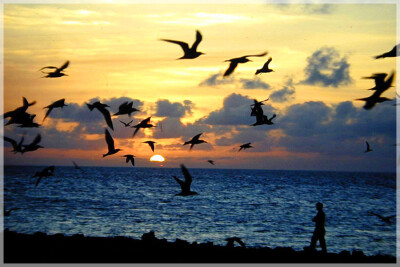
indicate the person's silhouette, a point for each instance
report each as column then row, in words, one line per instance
column 319, row 232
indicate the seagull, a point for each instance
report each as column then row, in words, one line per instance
column 256, row 109
column 392, row 53
column 211, row 162
column 57, row 72
column 34, row 145
column 265, row 68
column 127, row 124
column 379, row 80
column 19, row 115
column 368, row 148
column 58, row 104
column 244, row 146
column 110, row 145
column 17, row 147
column 151, row 144
column 77, row 167
column 263, row 119
column 126, row 108
column 185, row 185
column 236, row 61
column 386, row 219
column 143, row 124
column 8, row 212
column 375, row 98
column 194, row 141
column 130, row 158
column 46, row 172
column 192, row 52
column 102, row 108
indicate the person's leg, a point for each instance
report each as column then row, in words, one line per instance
column 322, row 242
column 313, row 241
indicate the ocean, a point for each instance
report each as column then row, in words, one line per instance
column 263, row 207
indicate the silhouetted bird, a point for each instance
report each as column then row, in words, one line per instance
column 130, row 158
column 17, row 147
column 386, row 219
column 245, row 146
column 143, row 124
column 368, row 148
column 46, row 172
column 151, row 144
column 211, row 162
column 375, row 98
column 27, row 122
column 256, row 108
column 185, row 185
column 194, row 141
column 392, row 53
column 33, row 146
column 379, row 80
column 19, row 115
column 126, row 108
column 57, row 72
column 77, row 167
column 236, row 61
column 231, row 241
column 127, row 124
column 265, row 68
column 263, row 119
column 191, row 52
column 110, row 145
column 102, row 108
column 58, row 104
column 8, row 212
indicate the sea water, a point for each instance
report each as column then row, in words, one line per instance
column 263, row 207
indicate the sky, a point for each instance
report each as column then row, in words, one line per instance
column 320, row 54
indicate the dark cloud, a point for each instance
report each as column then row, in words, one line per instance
column 217, row 79
column 255, row 83
column 164, row 108
column 172, row 127
column 284, row 94
column 326, row 67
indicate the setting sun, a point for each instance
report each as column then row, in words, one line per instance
column 157, row 158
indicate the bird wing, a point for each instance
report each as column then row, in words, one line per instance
column 180, row 182
column 107, row 117
column 188, row 177
column 76, row 165
column 184, row 45
column 132, row 161
column 151, row 144
column 65, row 65
column 145, row 121
column 199, row 37
column 126, row 124
column 109, row 141
column 367, row 145
column 37, row 139
column 267, row 63
column 50, row 108
column 13, row 142
column 38, row 180
column 136, row 130
column 258, row 55
column 231, row 68
column 49, row 67
column 196, row 137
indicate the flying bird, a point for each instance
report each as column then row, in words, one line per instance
column 77, row 166
column 265, row 68
column 110, row 145
column 102, row 108
column 58, row 72
column 46, row 172
column 143, row 124
column 58, row 104
column 256, row 108
column 386, row 219
column 189, row 53
column 17, row 147
column 236, row 61
column 194, row 141
column 8, row 212
column 379, row 79
column 126, row 108
column 27, row 121
column 151, row 144
column 211, row 162
column 19, row 115
column 368, row 148
column 130, row 158
column 375, row 98
column 185, row 185
column 392, row 53
column 127, row 124
column 263, row 119
column 34, row 145
column 245, row 146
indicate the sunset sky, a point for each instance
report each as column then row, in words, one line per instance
column 320, row 54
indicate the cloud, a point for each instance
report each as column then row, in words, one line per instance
column 164, row 108
column 284, row 94
column 255, row 83
column 172, row 127
column 217, row 79
column 318, row 8
column 326, row 67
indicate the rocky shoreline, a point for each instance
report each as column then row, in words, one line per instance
column 58, row 248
